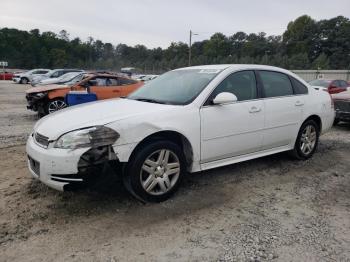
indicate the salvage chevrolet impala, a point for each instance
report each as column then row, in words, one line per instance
column 184, row 121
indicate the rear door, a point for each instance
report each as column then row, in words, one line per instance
column 283, row 109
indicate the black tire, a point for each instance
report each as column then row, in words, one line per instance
column 298, row 151
column 336, row 122
column 134, row 173
column 61, row 104
column 24, row 80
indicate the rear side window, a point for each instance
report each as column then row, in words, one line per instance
column 299, row 88
column 125, row 81
column 343, row 83
column 241, row 84
column 275, row 84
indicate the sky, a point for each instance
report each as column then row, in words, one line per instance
column 155, row 23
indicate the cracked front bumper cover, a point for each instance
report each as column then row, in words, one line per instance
column 66, row 170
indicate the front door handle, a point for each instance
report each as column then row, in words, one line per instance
column 116, row 91
column 299, row 103
column 254, row 109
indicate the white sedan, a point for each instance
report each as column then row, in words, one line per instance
column 187, row 120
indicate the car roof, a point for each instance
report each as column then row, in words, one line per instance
column 235, row 67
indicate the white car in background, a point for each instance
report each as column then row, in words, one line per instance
column 52, row 74
column 187, row 120
column 146, row 78
column 25, row 77
column 71, row 78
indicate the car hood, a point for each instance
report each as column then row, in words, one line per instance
column 92, row 114
column 45, row 88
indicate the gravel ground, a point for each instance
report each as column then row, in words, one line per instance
column 269, row 209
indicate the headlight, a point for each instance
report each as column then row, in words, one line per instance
column 89, row 137
column 39, row 95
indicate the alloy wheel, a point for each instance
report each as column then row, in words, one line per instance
column 56, row 105
column 160, row 172
column 308, row 139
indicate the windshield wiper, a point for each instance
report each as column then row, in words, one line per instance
column 149, row 100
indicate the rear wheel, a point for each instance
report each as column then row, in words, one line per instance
column 307, row 140
column 55, row 105
column 155, row 172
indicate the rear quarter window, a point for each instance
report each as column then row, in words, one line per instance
column 299, row 88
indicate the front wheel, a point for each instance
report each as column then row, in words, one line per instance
column 24, row 80
column 155, row 172
column 307, row 140
column 55, row 105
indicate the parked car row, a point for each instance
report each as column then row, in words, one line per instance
column 184, row 121
column 35, row 76
column 49, row 98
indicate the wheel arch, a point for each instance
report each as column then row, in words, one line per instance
column 172, row 136
column 315, row 118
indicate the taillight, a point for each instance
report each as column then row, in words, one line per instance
column 332, row 101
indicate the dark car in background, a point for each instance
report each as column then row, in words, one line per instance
column 333, row 86
column 342, row 107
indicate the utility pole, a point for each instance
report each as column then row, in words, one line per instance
column 267, row 56
column 190, row 48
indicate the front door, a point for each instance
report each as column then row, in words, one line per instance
column 232, row 129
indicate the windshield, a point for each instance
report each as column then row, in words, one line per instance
column 76, row 79
column 68, row 76
column 178, row 87
column 318, row 82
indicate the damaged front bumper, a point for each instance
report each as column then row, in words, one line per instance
column 65, row 170
column 35, row 101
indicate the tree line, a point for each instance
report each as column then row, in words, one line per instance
column 305, row 44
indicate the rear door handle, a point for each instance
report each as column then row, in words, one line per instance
column 116, row 91
column 299, row 103
column 254, row 109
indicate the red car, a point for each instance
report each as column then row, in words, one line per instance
column 342, row 107
column 6, row 76
column 333, row 86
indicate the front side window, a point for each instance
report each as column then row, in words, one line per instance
column 98, row 81
column 241, row 84
column 179, row 87
column 112, row 82
column 275, row 84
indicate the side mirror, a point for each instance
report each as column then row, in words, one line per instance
column 224, row 98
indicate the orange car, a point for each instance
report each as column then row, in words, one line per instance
column 50, row 98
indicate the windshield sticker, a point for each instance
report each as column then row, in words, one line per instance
column 209, row 71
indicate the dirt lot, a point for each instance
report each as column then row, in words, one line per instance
column 272, row 208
